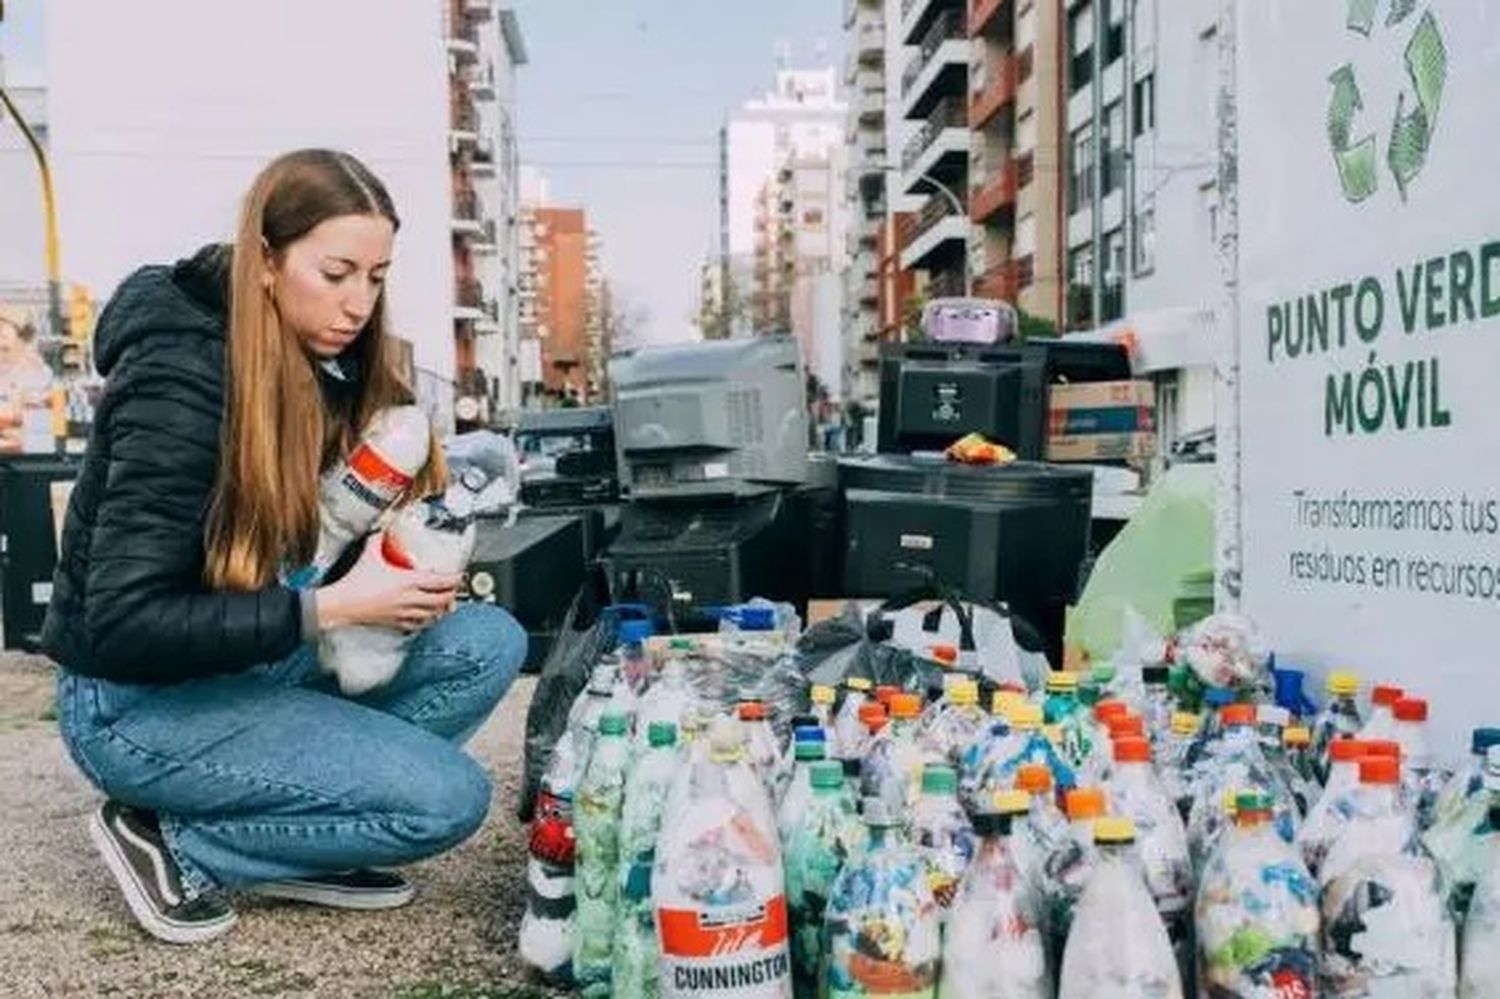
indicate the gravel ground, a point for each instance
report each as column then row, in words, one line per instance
column 64, row 929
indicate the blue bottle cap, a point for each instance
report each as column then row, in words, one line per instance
column 1482, row 739
column 635, row 631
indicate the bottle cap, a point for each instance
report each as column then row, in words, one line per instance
column 1034, row 778
column 885, row 692
column 1273, row 714
column 1127, row 727
column 1026, row 716
column 726, row 739
column 1218, row 697
column 635, row 631
column 1061, row 681
column 808, row 733
column 680, row 645
column 1252, row 803
column 1132, row 750
column 945, row 654
column 1492, row 769
column 1114, row 830
column 1154, row 675
column 1386, row 694
column 614, row 724
column 1085, row 803
column 1410, row 709
column 872, row 716
column 821, row 694
column 810, row 750
column 987, row 824
column 805, row 721
column 1297, row 735
column 1002, row 702
column 1237, row 714
column 1103, row 674
column 1185, row 722
column 1012, row 802
column 905, row 706
column 826, row 774
column 661, row 733
column 1343, row 684
column 1383, row 747
column 1107, row 709
column 939, row 779
column 1482, row 739
column 1347, row 750
column 1379, row 770
column 858, row 683
column 965, row 693
column 752, row 711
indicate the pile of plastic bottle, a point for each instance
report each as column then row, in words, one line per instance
column 1195, row 826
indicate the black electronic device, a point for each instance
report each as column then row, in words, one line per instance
column 34, row 493
column 1016, row 533
column 532, row 568
column 931, row 394
column 567, row 457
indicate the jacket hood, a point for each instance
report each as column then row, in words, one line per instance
column 191, row 296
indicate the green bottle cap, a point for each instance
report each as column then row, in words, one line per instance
column 662, row 734
column 939, row 779
column 826, row 775
column 809, row 750
column 613, row 724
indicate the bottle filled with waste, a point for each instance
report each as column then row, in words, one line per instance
column 822, row 698
column 1172, row 764
column 991, row 764
column 764, row 748
column 717, row 883
column 1069, row 869
column 1335, row 806
column 808, row 749
column 892, row 768
column 1460, row 815
column 1339, row 718
column 953, row 722
column 851, row 736
column 1118, row 947
column 1062, row 697
column 1422, row 777
column 666, row 700
column 1381, row 725
column 634, row 961
column 1038, row 835
column 545, row 940
column 993, row 947
column 1257, row 912
column 942, row 833
column 1157, row 703
column 1385, row 928
column 882, row 923
column 827, row 835
column 1235, row 762
column 1479, row 977
column 596, row 820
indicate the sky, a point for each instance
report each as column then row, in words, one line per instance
column 620, row 106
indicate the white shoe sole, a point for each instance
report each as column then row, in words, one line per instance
column 159, row 926
column 335, row 898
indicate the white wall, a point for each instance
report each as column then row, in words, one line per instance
column 163, row 111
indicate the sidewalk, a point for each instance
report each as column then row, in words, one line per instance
column 64, row 930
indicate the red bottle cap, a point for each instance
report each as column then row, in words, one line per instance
column 1379, row 770
column 1237, row 714
column 1385, row 694
column 1410, row 709
column 1105, row 710
column 1347, row 750
column 1132, row 750
column 1128, row 727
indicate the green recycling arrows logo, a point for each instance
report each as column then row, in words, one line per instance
column 1411, row 131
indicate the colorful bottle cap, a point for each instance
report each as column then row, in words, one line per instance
column 1379, row 770
column 1154, row 676
column 1107, row 709
column 945, row 654
column 1114, row 830
column 885, row 692
column 1085, row 803
column 1481, row 739
column 614, row 724
column 1343, row 684
column 1127, row 727
column 1383, row 747
column 1347, row 750
column 1103, row 674
column 905, row 706
column 681, row 645
column 1386, row 695
column 1034, row 778
column 1237, row 714
column 1026, row 716
column 939, row 779
column 635, row 631
column 1410, row 709
column 826, row 775
column 1273, row 714
column 810, row 750
column 1061, row 681
column 752, row 711
column 1297, row 736
column 800, row 722
column 1132, row 750
column 1185, row 723
column 1252, row 804
column 661, row 733
column 1002, row 702
column 858, row 683
column 965, row 693
column 821, row 694
column 1012, row 802
column 809, row 733
column 726, row 740
column 872, row 716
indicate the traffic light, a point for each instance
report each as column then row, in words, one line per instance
column 80, row 312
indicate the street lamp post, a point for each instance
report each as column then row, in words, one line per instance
column 49, row 208
column 954, row 203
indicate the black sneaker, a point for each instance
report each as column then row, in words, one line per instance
column 362, row 889
column 131, row 844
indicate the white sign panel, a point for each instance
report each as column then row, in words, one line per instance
column 1370, row 341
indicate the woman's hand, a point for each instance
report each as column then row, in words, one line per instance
column 377, row 593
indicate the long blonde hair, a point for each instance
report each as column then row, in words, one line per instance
column 278, row 434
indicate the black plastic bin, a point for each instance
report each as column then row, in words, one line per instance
column 33, row 499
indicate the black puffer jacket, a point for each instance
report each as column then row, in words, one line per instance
column 128, row 600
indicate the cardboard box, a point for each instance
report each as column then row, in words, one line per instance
column 1138, row 394
column 1101, row 421
column 1101, row 447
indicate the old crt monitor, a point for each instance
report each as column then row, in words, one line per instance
column 723, row 418
column 931, row 394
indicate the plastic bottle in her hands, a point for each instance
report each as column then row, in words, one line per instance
column 827, row 835
column 634, row 960
column 358, row 491
column 1480, row 974
column 1385, row 928
column 1339, row 719
column 942, row 833
column 1460, row 816
column 1257, row 912
column 596, row 820
column 433, row 535
column 993, row 947
column 1118, row 947
column 882, row 923
column 717, row 884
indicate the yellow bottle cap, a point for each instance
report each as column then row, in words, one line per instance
column 1114, row 829
column 1012, row 802
column 821, row 694
column 965, row 693
column 1343, row 683
column 1297, row 735
column 1185, row 723
column 1027, row 717
column 1061, row 681
column 859, row 683
column 1003, row 702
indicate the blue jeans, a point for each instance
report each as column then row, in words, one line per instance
column 272, row 774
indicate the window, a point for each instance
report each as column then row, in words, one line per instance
column 1081, row 163
column 1112, row 301
column 1025, row 236
column 1114, row 147
column 1144, row 111
column 1081, row 47
column 1145, row 241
